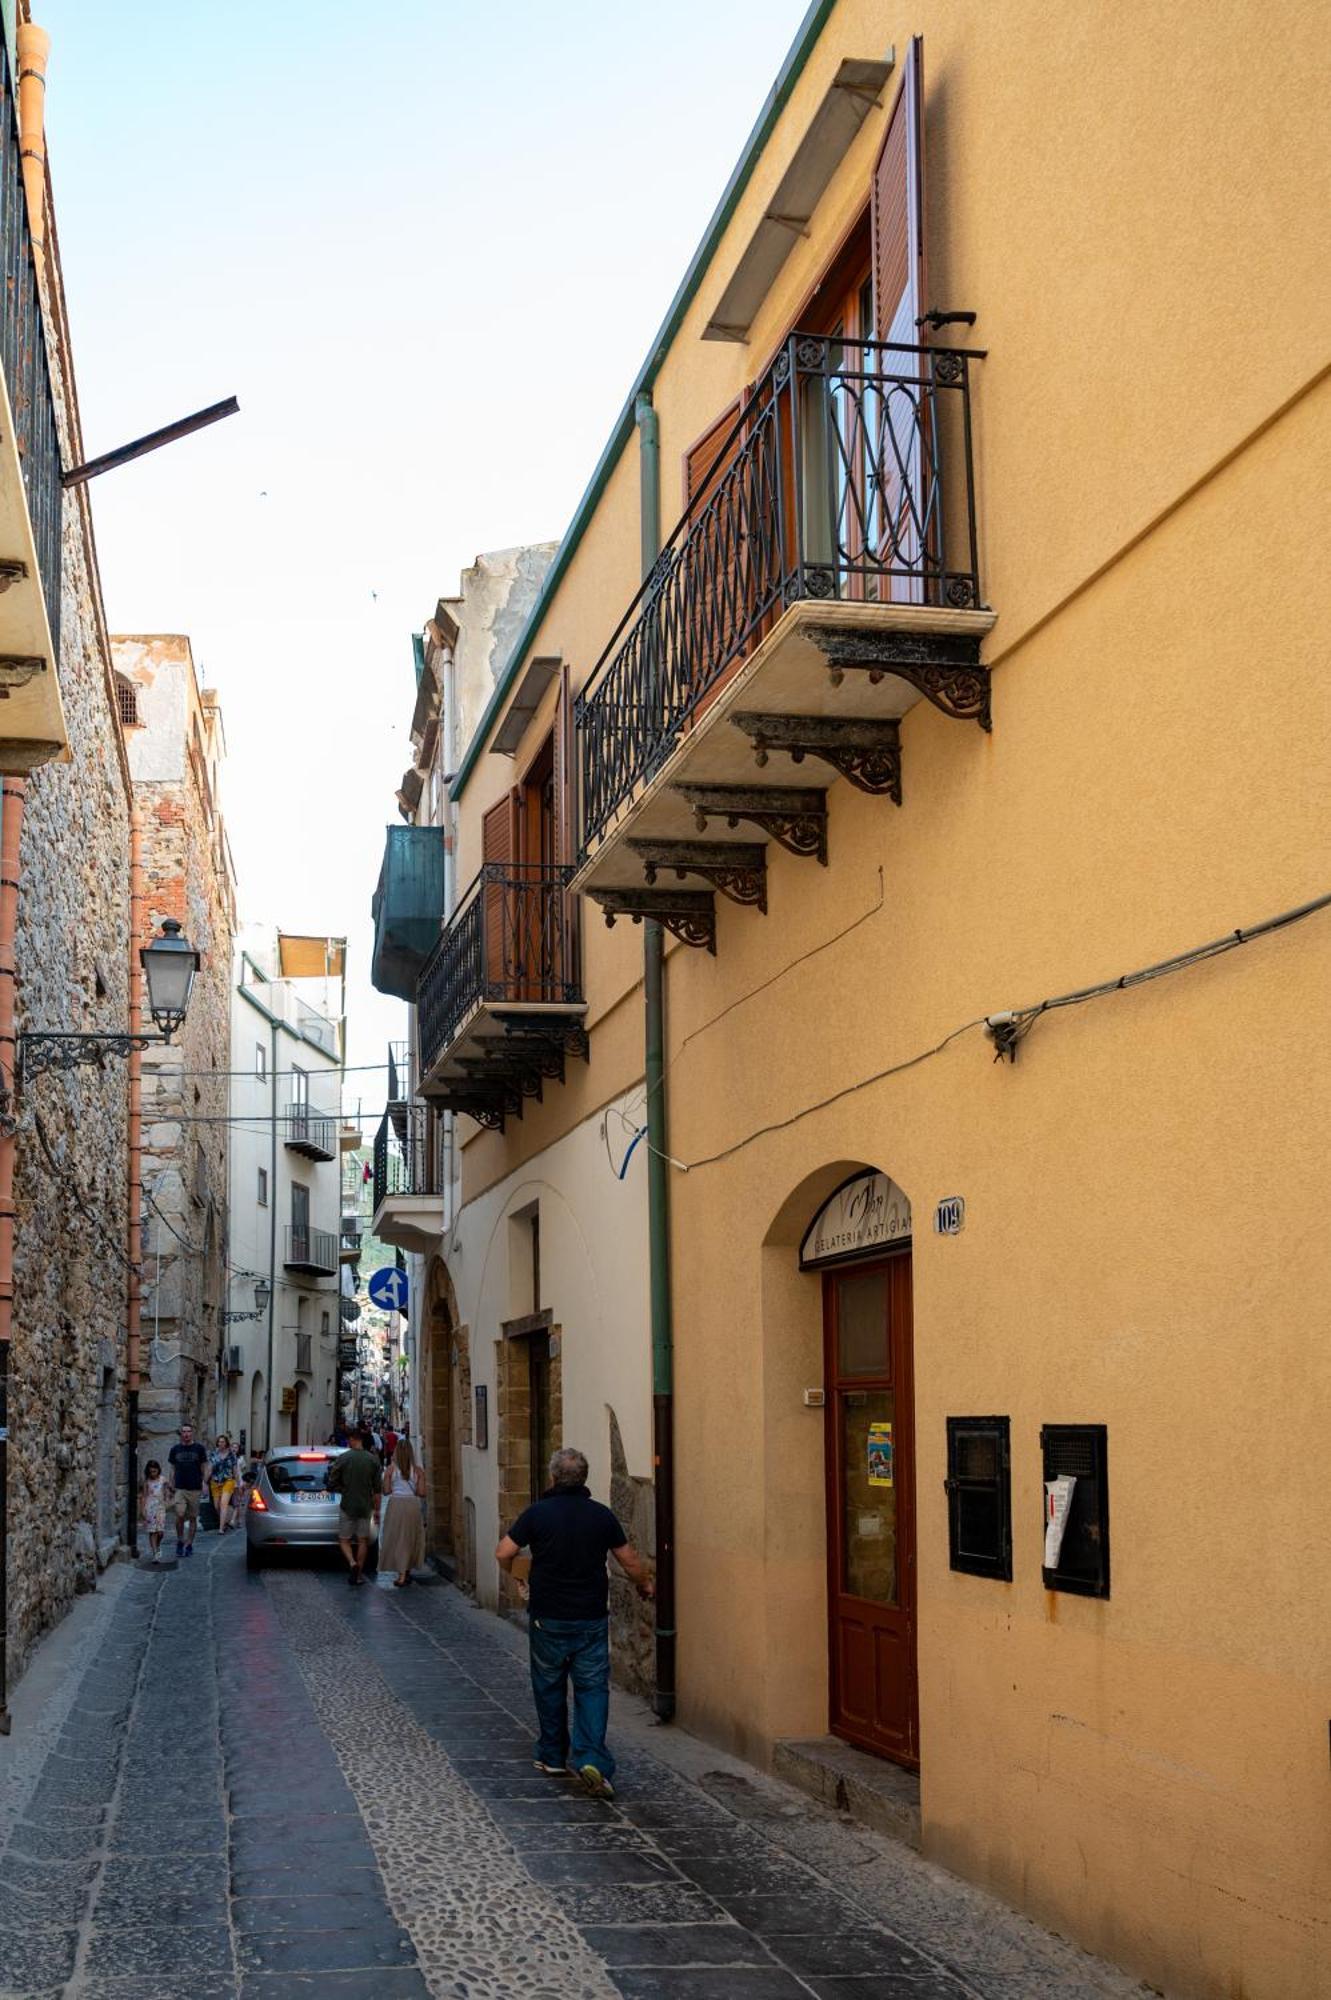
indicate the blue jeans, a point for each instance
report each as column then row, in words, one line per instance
column 577, row 1650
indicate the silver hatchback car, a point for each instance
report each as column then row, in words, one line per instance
column 290, row 1506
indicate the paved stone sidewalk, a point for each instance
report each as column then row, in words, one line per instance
column 269, row 1786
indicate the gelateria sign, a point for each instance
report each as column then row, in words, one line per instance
column 866, row 1213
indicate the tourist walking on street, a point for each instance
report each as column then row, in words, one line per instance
column 402, row 1541
column 152, row 1506
column 357, row 1478
column 188, row 1462
column 222, row 1474
column 570, row 1536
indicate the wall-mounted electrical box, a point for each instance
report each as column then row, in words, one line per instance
column 814, row 1399
column 1079, row 1452
column 979, row 1497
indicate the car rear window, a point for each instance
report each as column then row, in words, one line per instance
column 298, row 1475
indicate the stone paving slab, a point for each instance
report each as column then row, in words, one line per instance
column 333, row 1796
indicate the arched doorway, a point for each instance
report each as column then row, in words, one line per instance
column 844, row 1301
column 442, row 1417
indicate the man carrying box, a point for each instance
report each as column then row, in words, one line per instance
column 570, row 1536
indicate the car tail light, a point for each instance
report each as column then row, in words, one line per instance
column 258, row 1505
column 312, row 1457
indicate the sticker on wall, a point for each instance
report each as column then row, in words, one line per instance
column 880, row 1454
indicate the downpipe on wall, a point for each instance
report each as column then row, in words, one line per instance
column 658, row 1186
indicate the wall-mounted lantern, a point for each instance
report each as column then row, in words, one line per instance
column 169, row 963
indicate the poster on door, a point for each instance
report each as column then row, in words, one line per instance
column 880, row 1454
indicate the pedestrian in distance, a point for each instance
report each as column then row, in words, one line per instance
column 402, row 1541
column 390, row 1444
column 223, row 1470
column 357, row 1479
column 152, row 1506
column 188, row 1462
column 570, row 1535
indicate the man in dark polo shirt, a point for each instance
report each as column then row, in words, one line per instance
column 188, row 1462
column 570, row 1535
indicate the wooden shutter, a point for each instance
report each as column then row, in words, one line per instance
column 720, row 607
column 499, row 846
column 897, row 223
column 708, row 452
column 561, row 926
column 897, row 229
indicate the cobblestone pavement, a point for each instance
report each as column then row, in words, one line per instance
column 272, row 1785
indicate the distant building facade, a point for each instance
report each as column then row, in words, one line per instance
column 177, row 750
column 281, row 1369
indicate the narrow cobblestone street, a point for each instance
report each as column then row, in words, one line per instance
column 272, row 1784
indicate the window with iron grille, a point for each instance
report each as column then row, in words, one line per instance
column 263, row 1187
column 979, row 1497
column 1080, row 1452
column 127, row 695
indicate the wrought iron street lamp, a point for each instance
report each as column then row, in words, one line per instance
column 169, row 963
column 263, row 1291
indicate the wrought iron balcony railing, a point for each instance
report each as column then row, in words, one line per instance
column 310, row 1131
column 410, row 1153
column 310, row 1249
column 23, row 358
column 510, row 941
column 848, row 476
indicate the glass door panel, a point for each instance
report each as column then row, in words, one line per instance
column 869, row 1497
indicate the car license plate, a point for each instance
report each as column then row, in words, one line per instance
column 324, row 1497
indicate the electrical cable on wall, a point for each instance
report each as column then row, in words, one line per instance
column 1008, row 1029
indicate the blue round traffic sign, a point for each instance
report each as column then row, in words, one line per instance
column 388, row 1289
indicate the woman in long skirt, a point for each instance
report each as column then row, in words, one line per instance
column 402, row 1536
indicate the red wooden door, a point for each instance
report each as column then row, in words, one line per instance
column 871, row 1507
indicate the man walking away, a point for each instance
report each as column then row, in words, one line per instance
column 570, row 1536
column 357, row 1478
column 188, row 1462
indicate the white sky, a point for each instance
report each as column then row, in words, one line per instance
column 427, row 245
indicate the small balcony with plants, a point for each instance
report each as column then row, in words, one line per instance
column 824, row 578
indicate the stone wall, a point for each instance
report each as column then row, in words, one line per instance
column 68, row 1408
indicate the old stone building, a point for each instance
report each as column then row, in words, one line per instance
column 176, row 750
column 65, row 1244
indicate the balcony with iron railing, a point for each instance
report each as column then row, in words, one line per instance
column 824, row 578
column 310, row 1132
column 313, row 1252
column 499, row 1004
column 32, row 726
column 413, row 1158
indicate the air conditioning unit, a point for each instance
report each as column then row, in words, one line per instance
column 234, row 1360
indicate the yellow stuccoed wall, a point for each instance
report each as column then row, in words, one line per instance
column 1134, row 201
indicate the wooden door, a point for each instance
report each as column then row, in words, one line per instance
column 902, row 420
column 871, row 1506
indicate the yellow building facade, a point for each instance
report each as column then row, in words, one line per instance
column 1083, row 1242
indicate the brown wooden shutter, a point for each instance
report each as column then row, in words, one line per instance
column 561, row 928
column 708, row 451
column 898, row 209
column 499, row 846
column 566, row 832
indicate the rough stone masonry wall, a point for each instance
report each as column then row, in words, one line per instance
column 185, row 1100
column 68, row 1408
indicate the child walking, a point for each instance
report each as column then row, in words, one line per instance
column 152, row 1506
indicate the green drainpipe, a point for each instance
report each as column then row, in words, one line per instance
column 658, row 1185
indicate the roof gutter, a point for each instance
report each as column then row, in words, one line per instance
column 788, row 76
